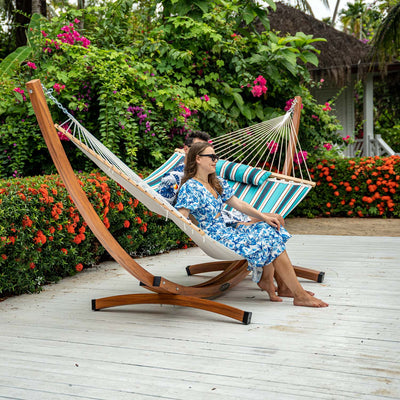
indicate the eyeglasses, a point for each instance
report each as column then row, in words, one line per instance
column 213, row 157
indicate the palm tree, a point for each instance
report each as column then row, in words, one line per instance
column 386, row 42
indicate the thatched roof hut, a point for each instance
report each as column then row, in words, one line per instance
column 341, row 55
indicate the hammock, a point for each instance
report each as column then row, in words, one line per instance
column 234, row 269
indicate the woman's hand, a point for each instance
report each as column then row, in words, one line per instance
column 273, row 221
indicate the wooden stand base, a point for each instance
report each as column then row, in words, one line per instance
column 301, row 272
column 174, row 299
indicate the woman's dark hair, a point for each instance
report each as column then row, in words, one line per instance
column 191, row 166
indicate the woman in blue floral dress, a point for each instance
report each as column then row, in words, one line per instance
column 262, row 243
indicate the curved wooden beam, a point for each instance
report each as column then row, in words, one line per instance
column 158, row 284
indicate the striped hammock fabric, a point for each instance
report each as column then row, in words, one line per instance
column 252, row 185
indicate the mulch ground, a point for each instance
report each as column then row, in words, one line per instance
column 343, row 226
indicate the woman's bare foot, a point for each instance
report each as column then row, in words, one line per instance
column 286, row 292
column 267, row 283
column 306, row 300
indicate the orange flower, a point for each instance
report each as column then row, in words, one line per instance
column 79, row 267
column 336, row 193
column 126, row 224
column 120, row 206
column 32, row 265
column 328, row 205
column 348, row 189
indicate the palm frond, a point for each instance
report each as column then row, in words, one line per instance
column 386, row 42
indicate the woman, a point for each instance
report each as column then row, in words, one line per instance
column 202, row 194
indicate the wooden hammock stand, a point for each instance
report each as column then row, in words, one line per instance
column 165, row 291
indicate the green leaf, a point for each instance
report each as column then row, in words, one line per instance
column 14, row 59
column 245, row 110
column 248, row 15
column 238, row 99
column 227, row 100
column 203, row 5
column 311, row 58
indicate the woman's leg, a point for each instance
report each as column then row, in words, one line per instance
column 284, row 269
column 267, row 283
column 282, row 289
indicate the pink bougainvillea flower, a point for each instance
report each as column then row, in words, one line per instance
column 328, row 146
column 327, row 107
column 31, row 65
column 288, row 104
column 57, row 87
column 300, row 157
column 259, row 86
column 273, row 146
column 205, row 98
column 261, row 80
column 257, row 91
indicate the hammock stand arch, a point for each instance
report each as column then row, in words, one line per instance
column 233, row 270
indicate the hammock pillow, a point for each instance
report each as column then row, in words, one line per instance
column 241, row 173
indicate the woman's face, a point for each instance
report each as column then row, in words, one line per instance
column 207, row 160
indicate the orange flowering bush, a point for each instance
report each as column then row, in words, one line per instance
column 358, row 187
column 43, row 237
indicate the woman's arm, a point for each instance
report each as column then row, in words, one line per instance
column 240, row 205
column 185, row 212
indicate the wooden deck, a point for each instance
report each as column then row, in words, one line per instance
column 52, row 346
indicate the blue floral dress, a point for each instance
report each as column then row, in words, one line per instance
column 259, row 243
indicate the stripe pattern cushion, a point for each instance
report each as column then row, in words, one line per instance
column 241, row 173
column 154, row 178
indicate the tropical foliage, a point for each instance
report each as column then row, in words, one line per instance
column 140, row 84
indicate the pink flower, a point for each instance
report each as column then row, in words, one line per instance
column 346, row 138
column 57, row 87
column 288, row 104
column 315, row 117
column 259, row 86
column 322, row 80
column 273, row 146
column 327, row 107
column 328, row 146
column 300, row 157
column 205, row 98
column 257, row 91
column 76, row 20
column 43, row 33
column 19, row 90
column 261, row 80
column 31, row 65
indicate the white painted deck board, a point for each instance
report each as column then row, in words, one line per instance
column 52, row 346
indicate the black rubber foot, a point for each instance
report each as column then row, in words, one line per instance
column 246, row 318
column 321, row 277
column 188, row 270
column 94, row 305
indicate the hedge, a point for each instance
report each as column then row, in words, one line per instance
column 357, row 187
column 43, row 238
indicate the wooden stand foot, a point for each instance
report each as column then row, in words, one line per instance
column 179, row 300
column 301, row 272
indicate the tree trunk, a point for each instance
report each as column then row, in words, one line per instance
column 36, row 6
column 24, row 11
column 81, row 6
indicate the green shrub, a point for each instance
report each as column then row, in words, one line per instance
column 43, row 237
column 358, row 187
